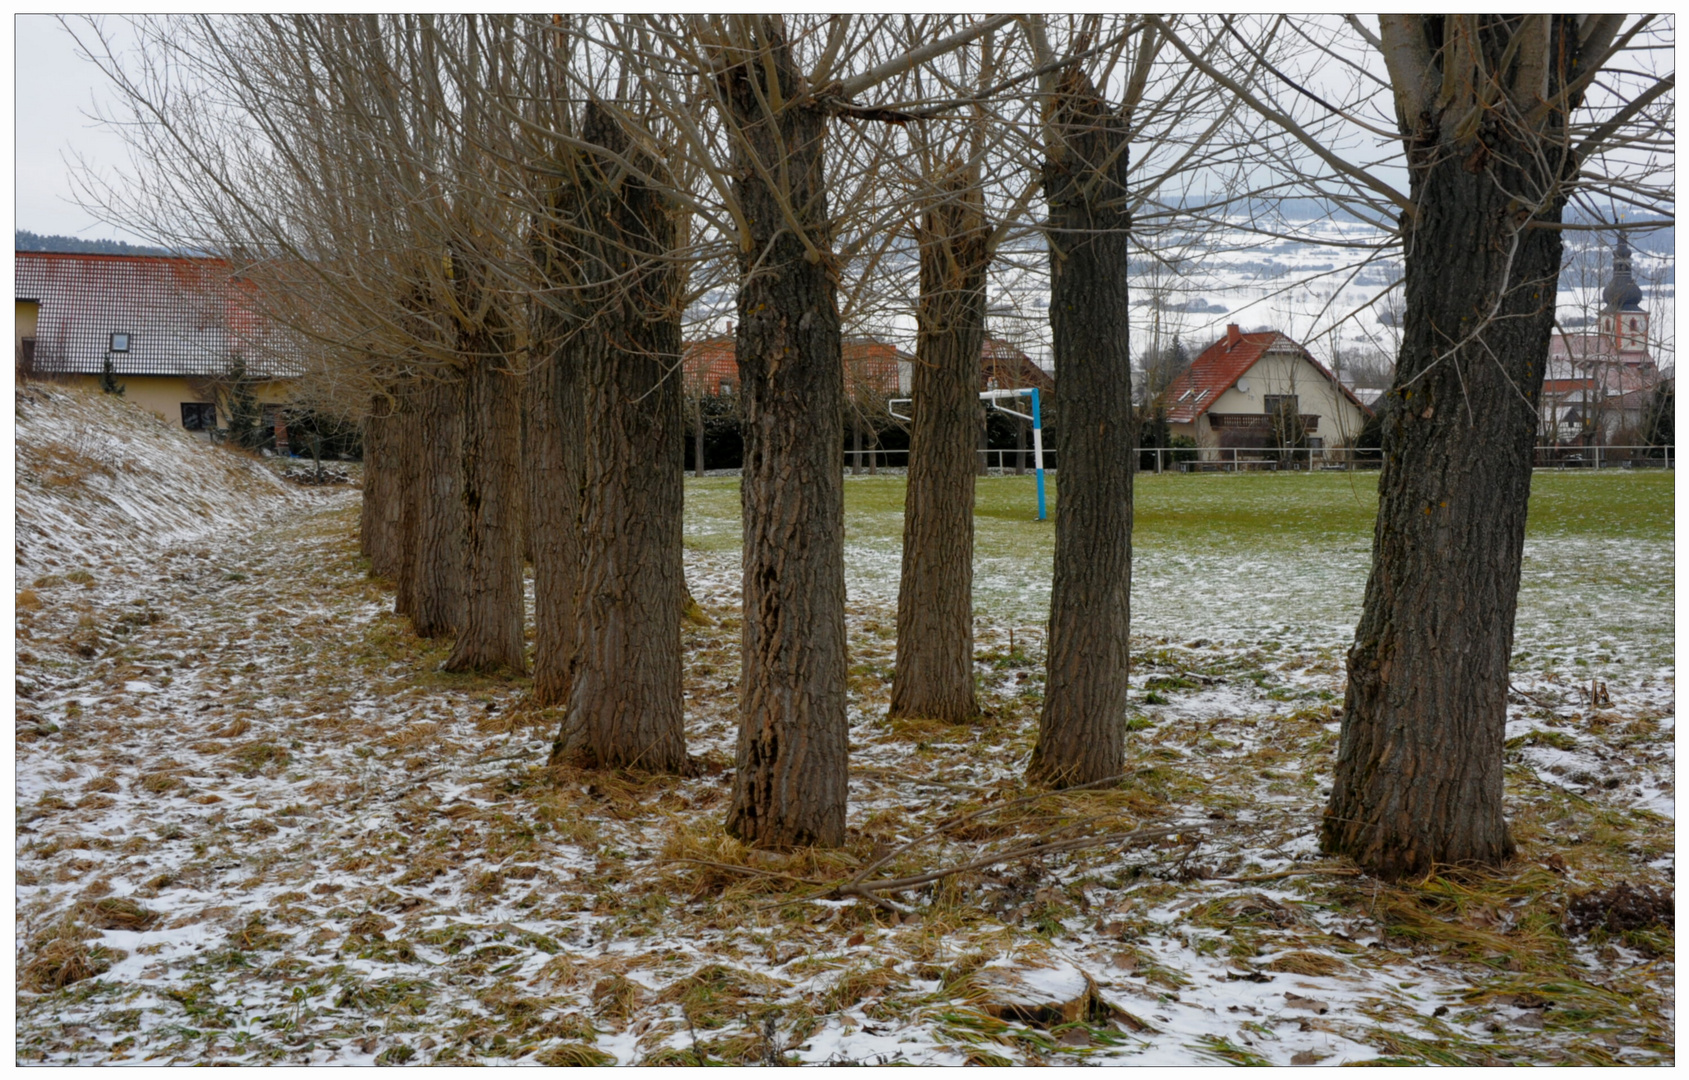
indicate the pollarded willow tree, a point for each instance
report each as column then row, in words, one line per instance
column 1094, row 195
column 1502, row 121
column 955, row 238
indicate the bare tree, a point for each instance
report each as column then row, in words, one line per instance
column 1502, row 120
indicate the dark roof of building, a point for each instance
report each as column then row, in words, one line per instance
column 181, row 316
column 1223, row 363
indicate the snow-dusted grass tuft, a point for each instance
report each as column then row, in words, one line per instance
column 256, row 824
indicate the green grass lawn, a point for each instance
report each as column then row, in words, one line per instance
column 1242, row 556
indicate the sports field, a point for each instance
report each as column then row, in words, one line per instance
column 1251, row 558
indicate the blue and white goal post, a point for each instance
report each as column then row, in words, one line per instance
column 992, row 399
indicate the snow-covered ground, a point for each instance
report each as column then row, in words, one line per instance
column 256, row 824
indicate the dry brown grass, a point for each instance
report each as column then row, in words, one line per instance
column 1305, row 962
column 117, row 913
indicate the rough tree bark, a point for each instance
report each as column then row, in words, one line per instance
column 625, row 689
column 934, row 676
column 435, row 596
column 1419, row 764
column 790, row 784
column 405, row 446
column 552, row 401
column 490, row 636
column 1082, row 729
column 376, row 517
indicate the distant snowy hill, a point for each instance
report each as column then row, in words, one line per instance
column 30, row 241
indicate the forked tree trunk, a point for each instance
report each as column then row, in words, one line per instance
column 625, row 690
column 790, row 784
column 436, row 595
column 1419, row 763
column 551, row 399
column 934, row 676
column 1082, row 729
column 490, row 636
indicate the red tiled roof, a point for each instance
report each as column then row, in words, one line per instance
column 712, row 363
column 183, row 316
column 1004, row 367
column 1222, row 364
column 873, row 364
column 1214, row 372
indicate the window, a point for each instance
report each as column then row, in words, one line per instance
column 725, row 386
column 199, row 415
column 1275, row 403
column 120, row 342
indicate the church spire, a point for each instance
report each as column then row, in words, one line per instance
column 1624, row 325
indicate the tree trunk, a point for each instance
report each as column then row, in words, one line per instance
column 376, row 515
column 855, row 443
column 935, row 638
column 790, row 784
column 436, row 595
column 1020, row 447
column 1082, row 729
column 491, row 635
column 1419, row 764
column 551, row 398
column 698, row 447
column 404, row 439
column 983, row 459
column 625, row 685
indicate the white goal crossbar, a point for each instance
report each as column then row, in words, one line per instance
column 992, row 399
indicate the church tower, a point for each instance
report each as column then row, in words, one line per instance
column 1624, row 325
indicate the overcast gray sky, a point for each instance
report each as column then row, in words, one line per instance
column 55, row 88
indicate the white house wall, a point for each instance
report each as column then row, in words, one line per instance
column 1281, row 372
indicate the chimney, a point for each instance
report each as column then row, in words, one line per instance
column 1233, row 336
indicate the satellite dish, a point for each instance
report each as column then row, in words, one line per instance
column 1243, row 386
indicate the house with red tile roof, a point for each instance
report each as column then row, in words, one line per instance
column 1232, row 392
column 168, row 328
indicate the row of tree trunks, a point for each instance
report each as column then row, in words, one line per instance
column 624, row 696
column 934, row 677
column 1082, row 728
column 790, row 784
